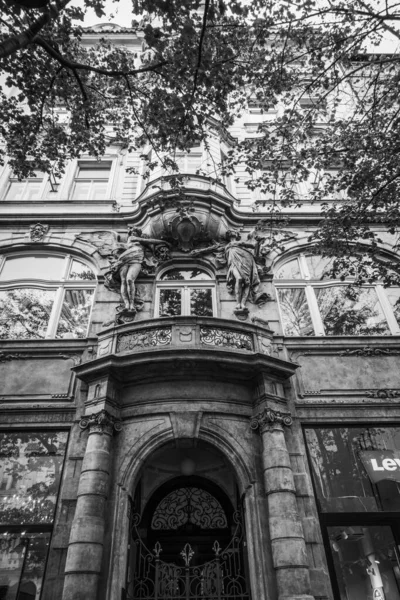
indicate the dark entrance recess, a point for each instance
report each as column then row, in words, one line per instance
column 187, row 545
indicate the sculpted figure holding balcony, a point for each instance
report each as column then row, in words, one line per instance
column 125, row 270
column 242, row 277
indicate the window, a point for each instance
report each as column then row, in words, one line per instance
column 356, row 475
column 32, row 188
column 312, row 305
column 91, row 181
column 45, row 297
column 31, row 463
column 185, row 291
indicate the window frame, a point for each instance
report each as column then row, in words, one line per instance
column 44, row 188
column 306, row 282
column 59, row 286
column 107, row 159
column 185, row 285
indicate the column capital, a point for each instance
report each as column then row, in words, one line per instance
column 101, row 422
column 268, row 417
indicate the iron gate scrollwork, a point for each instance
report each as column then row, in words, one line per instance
column 222, row 578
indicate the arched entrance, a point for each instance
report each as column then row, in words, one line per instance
column 187, row 542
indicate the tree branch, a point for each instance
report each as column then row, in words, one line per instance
column 74, row 66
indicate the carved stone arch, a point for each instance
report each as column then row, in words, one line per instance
column 150, row 441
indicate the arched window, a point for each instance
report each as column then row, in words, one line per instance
column 185, row 291
column 44, row 296
column 312, row 304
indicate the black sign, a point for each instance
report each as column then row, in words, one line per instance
column 381, row 464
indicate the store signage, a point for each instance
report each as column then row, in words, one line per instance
column 381, row 464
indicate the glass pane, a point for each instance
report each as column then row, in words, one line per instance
column 193, row 162
column 201, row 302
column 30, row 472
column 32, row 575
column 25, row 313
column 289, row 270
column 393, row 295
column 81, row 272
column 15, row 190
column 318, row 266
column 296, row 318
column 13, row 549
column 346, row 311
column 339, row 461
column 193, row 274
column 98, row 190
column 33, row 267
column 94, row 171
column 365, row 560
column 75, row 312
column 32, row 190
column 81, row 190
column 170, row 302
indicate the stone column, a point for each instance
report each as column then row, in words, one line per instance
column 85, row 549
column 289, row 553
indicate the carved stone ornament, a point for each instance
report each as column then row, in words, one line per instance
column 37, row 232
column 382, row 394
column 368, row 351
column 268, row 417
column 101, row 422
column 186, row 229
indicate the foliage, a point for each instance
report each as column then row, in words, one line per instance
column 329, row 112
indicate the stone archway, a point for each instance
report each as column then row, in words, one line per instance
column 187, row 534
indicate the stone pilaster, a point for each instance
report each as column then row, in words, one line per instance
column 287, row 538
column 85, row 548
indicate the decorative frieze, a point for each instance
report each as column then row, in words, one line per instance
column 101, row 422
column 370, row 351
column 227, row 338
column 383, row 394
column 144, row 338
column 6, row 357
column 269, row 417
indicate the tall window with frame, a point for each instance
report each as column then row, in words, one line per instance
column 31, row 464
column 92, row 180
column 44, row 296
column 356, row 476
column 185, row 291
column 36, row 187
column 313, row 304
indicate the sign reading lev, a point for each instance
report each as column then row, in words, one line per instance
column 381, row 464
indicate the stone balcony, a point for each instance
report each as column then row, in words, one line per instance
column 186, row 348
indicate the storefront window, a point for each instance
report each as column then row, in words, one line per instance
column 349, row 466
column 31, row 465
column 356, row 474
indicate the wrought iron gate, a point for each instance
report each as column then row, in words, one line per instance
column 222, row 578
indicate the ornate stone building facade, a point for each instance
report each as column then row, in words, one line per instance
column 186, row 413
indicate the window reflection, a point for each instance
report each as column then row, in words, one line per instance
column 185, row 274
column 22, row 564
column 201, row 303
column 341, row 481
column 25, row 313
column 296, row 318
column 365, row 561
column 47, row 302
column 30, row 471
column 289, row 270
column 346, row 311
column 74, row 319
column 170, row 302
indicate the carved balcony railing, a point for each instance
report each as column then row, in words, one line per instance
column 186, row 333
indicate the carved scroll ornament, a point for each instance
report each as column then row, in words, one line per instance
column 101, row 422
column 269, row 417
